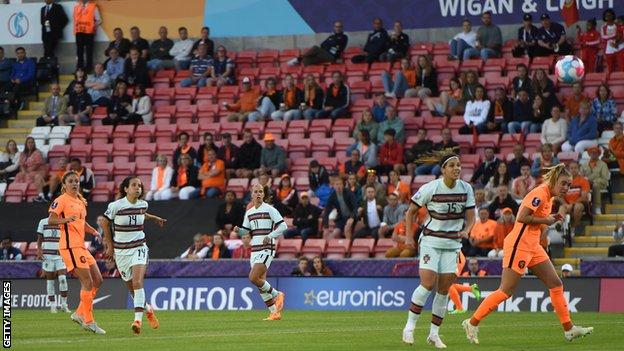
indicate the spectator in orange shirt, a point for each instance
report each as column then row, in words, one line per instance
column 616, row 147
column 319, row 268
column 504, row 225
column 577, row 197
column 404, row 79
column 212, row 176
column 246, row 104
column 523, row 184
column 473, row 269
column 218, row 249
column 481, row 235
column 184, row 148
column 286, row 197
column 353, row 166
column 398, row 236
column 398, row 187
column 573, row 101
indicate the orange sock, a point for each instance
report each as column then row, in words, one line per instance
column 454, row 296
column 488, row 305
column 94, row 292
column 80, row 309
column 561, row 307
column 462, row 288
column 86, row 298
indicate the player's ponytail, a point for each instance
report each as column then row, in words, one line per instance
column 551, row 174
column 67, row 175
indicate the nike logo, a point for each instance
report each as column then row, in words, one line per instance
column 100, row 299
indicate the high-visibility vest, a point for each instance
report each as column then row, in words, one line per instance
column 84, row 18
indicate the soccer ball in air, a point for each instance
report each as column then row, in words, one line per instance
column 569, row 69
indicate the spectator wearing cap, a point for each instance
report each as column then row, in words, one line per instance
column 249, row 154
column 504, row 225
column 305, row 219
column 212, row 175
column 583, row 131
column 201, row 69
column 597, row 172
column 393, row 214
column 390, row 153
column 337, row 98
column 246, row 104
column 503, row 199
column 272, row 157
column 462, row 41
column 290, row 99
column 399, row 44
column 286, row 196
column 551, row 38
column 489, row 40
column 181, row 50
column 527, row 38
column 481, row 236
column 317, row 175
column 353, row 165
column 230, row 213
column 566, row 270
column 330, row 50
column 159, row 50
column 366, row 148
column 392, row 121
column 161, row 179
column 204, row 40
column 377, row 43
column 228, row 152
column 184, row 148
column 268, row 102
column 398, row 236
column 222, row 69
column 244, row 250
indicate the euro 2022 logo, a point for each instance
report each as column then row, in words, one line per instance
column 18, row 24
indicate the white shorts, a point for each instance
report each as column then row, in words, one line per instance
column 265, row 257
column 130, row 257
column 441, row 261
column 53, row 265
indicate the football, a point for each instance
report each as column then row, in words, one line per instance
column 569, row 69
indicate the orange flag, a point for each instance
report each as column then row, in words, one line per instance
column 570, row 12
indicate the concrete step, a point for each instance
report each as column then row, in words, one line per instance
column 615, row 208
column 592, row 241
column 17, row 134
column 28, row 113
column 584, row 252
column 35, row 105
column 599, row 230
column 558, row 262
column 22, row 123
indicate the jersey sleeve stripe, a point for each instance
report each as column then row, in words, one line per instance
column 280, row 222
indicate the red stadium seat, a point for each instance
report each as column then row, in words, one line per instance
column 268, row 72
column 361, row 105
column 123, row 133
column 320, row 127
column 257, row 127
column 206, row 94
column 15, row 192
column 101, row 152
column 298, row 128
column 383, row 244
column 277, row 128
column 103, row 191
column 342, row 126
column 31, row 251
column 250, row 72
column 164, row 114
column 144, row 133
column 298, row 147
column 80, row 135
column 185, row 113
column 533, row 140
column 57, row 152
column 83, row 152
column 191, row 128
column 267, row 58
column 567, row 157
column 337, row 248
column 289, row 248
column 144, row 152
column 207, row 112
column 300, row 164
column 288, row 54
column 123, row 152
column 122, row 169
column 101, row 133
column 509, row 140
column 377, row 68
column 487, row 140
column 322, row 147
column 103, row 171
column 302, row 184
column 362, row 248
column 314, row 247
column 238, row 185
column 234, row 128
column 165, row 133
column 360, row 90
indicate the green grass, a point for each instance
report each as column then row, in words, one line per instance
column 244, row 330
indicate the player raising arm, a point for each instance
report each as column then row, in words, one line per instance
column 53, row 266
column 127, row 247
column 69, row 212
column 265, row 224
column 450, row 202
column 522, row 250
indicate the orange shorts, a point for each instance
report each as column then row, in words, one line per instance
column 522, row 257
column 77, row 257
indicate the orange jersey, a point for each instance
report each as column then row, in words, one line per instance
column 539, row 200
column 500, row 233
column 578, row 185
column 73, row 233
column 461, row 262
column 482, row 230
column 399, row 230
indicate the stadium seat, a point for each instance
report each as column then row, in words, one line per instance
column 302, row 184
column 322, row 147
column 144, row 134
column 288, row 54
column 383, row 244
column 122, row 169
column 337, row 248
column 300, row 164
column 185, row 113
column 164, row 114
column 83, row 152
column 191, row 128
column 277, row 128
column 207, row 112
column 102, row 192
column 15, row 192
column 314, row 247
column 123, row 133
column 103, row 171
column 289, row 248
column 298, row 147
column 31, row 251
column 377, row 68
column 144, row 152
column 101, row 152
column 234, row 128
column 40, row 133
column 165, row 133
column 101, row 134
column 320, row 127
column 361, row 105
column 270, row 71
column 421, row 180
column 123, row 152
column 206, row 95
column 487, row 140
column 57, row 152
column 362, row 247
column 567, row 157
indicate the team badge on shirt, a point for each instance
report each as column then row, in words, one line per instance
column 54, row 204
column 426, row 258
column 536, row 201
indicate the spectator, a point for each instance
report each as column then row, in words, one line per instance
column 390, row 153
column 54, row 110
column 206, row 41
column 87, row 177
column 522, row 115
column 217, row 249
column 380, row 189
column 197, row 251
column 50, row 186
column 305, row 219
column 141, row 109
column 545, row 159
column 504, row 225
column 618, row 236
column 377, row 43
column 574, row 202
column 302, row 268
column 245, row 105
column 212, row 176
column 522, row 81
column 228, row 152
column 22, row 76
column 450, row 102
column 115, row 65
column 611, row 34
column 353, row 166
column 222, row 72
column 398, row 236
column 539, row 111
column 544, row 87
column 319, row 268
column 590, row 44
column 268, row 102
column 99, row 86
column 5, row 70
column 502, row 200
column 554, row 129
column 79, row 77
column 500, row 115
column 97, row 244
column 330, row 50
column 135, row 69
column 366, row 148
column 201, row 69
column 243, row 251
column 583, row 131
column 290, row 99
column 272, row 157
column 353, row 185
column 517, row 161
column 184, row 182
column 486, row 170
column 202, row 153
column 53, row 20
column 230, row 213
column 9, row 164
column 161, row 179
column 551, row 38
column 139, row 43
column 119, row 108
column 426, row 79
column 476, row 111
column 110, row 270
column 392, row 121
column 339, row 211
column 184, row 148
column 86, row 21
column 527, row 38
column 461, row 42
column 524, row 183
column 481, row 236
column 479, row 200
column 337, row 98
column 573, row 101
column 403, row 80
column 159, row 50
column 181, row 50
column 473, row 269
column 597, row 172
column 446, row 144
column 500, row 178
column 380, row 103
column 566, row 270
column 249, row 155
column 313, row 96
column 286, row 196
column 616, row 146
column 399, row 188
column 121, row 44
column 366, row 123
column 317, row 175
column 393, row 213
column 603, row 107
column 489, row 40
column 9, row 252
column 399, row 44
column 31, row 163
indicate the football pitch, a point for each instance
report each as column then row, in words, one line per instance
column 298, row 330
